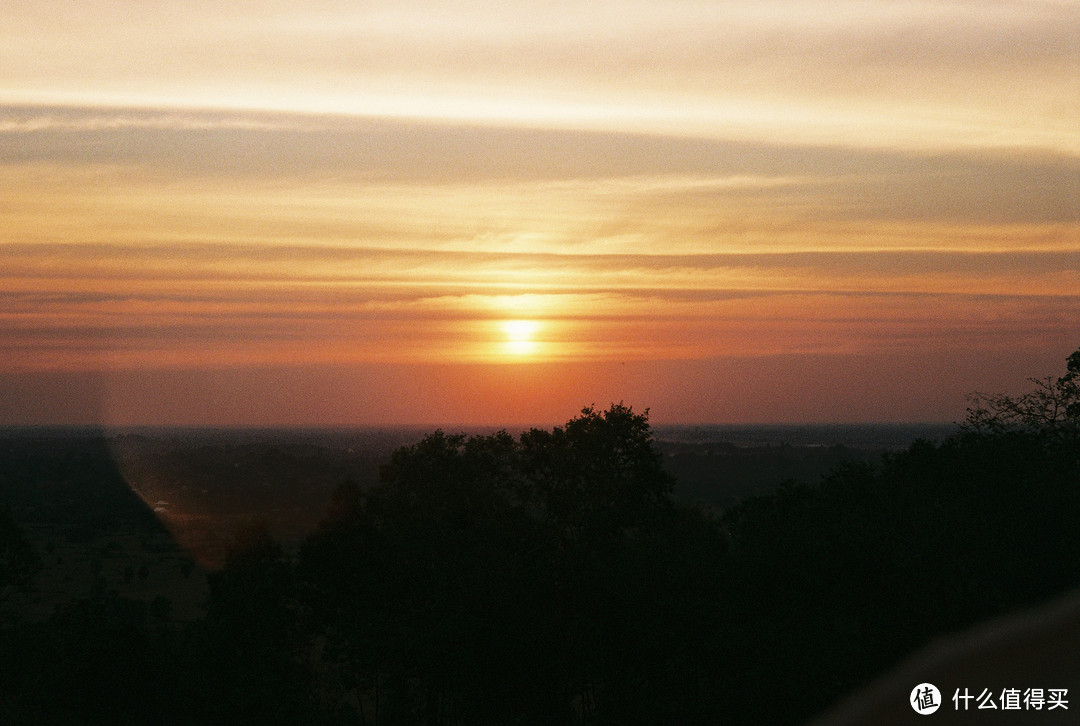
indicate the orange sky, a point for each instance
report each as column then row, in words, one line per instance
column 239, row 213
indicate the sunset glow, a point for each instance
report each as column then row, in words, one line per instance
column 520, row 336
column 503, row 212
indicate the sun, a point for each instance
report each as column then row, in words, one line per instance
column 520, row 336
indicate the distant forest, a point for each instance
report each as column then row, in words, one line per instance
column 578, row 575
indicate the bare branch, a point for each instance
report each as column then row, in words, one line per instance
column 1052, row 406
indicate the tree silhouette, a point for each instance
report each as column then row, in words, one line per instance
column 1053, row 407
column 489, row 579
column 832, row 583
column 249, row 656
column 552, row 578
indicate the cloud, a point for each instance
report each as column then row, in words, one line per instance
column 878, row 73
column 88, row 306
column 638, row 177
column 221, row 184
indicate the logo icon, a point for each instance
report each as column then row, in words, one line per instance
column 925, row 699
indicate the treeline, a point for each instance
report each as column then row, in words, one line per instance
column 552, row 578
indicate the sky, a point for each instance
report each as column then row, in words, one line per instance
column 350, row 213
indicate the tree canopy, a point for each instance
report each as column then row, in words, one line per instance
column 490, row 579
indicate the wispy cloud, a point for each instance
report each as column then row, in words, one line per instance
column 213, row 185
column 203, row 304
column 322, row 161
column 870, row 72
